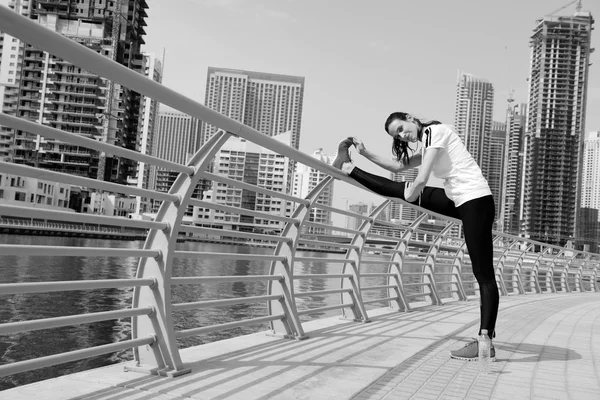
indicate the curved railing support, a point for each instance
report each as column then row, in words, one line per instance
column 354, row 254
column 286, row 269
column 159, row 296
column 455, row 274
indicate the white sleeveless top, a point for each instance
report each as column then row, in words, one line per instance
column 463, row 180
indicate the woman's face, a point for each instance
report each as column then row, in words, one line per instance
column 406, row 131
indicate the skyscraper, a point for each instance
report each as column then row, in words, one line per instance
column 57, row 93
column 305, row 180
column 590, row 197
column 269, row 103
column 176, row 139
column 473, row 115
column 513, row 168
column 560, row 55
column 493, row 164
column 147, row 128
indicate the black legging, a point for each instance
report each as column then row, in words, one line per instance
column 477, row 217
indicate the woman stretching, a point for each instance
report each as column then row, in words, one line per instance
column 466, row 196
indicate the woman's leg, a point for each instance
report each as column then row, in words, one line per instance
column 432, row 198
column 478, row 218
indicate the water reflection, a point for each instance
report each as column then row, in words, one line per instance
column 47, row 305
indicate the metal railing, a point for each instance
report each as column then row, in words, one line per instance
column 423, row 262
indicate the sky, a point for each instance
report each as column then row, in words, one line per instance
column 361, row 59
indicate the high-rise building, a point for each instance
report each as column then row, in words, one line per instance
column 305, row 180
column 147, row 128
column 493, row 164
column 560, row 58
column 49, row 90
column 11, row 64
column 253, row 164
column 176, row 139
column 590, row 197
column 269, row 103
column 513, row 168
column 473, row 115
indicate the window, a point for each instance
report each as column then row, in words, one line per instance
column 20, row 196
column 1, row 193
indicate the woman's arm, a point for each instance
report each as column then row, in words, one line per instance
column 412, row 191
column 390, row 165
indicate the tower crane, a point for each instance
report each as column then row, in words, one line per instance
column 577, row 7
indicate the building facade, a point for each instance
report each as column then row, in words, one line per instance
column 473, row 114
column 269, row 103
column 590, row 197
column 148, row 126
column 250, row 163
column 513, row 168
column 560, row 58
column 37, row 193
column 176, row 139
column 493, row 165
column 54, row 92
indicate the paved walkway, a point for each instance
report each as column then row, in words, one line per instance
column 548, row 347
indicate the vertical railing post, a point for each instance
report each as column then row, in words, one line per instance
column 159, row 296
column 456, row 268
column 355, row 254
column 286, row 269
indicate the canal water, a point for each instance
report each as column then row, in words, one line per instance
column 47, row 305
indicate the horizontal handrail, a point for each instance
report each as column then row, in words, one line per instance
column 44, row 174
column 331, row 227
column 62, row 286
column 41, row 213
column 195, row 280
column 57, row 322
column 221, row 232
column 71, row 138
column 325, row 308
column 327, row 244
column 322, row 292
column 228, row 256
column 224, row 302
column 329, row 260
column 241, row 211
column 385, row 299
column 49, row 361
column 322, row 276
column 252, row 188
column 31, row 250
column 228, row 325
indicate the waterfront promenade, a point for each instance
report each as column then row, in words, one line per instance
column 548, row 347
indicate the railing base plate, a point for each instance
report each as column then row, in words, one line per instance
column 157, row 371
column 364, row 321
column 286, row 336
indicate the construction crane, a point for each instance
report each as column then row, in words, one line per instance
column 577, row 7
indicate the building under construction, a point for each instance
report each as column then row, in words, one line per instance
column 57, row 93
column 560, row 52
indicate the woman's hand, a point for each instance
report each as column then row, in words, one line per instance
column 411, row 192
column 360, row 146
